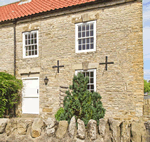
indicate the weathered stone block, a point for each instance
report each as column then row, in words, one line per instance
column 92, row 129
column 47, row 109
column 62, row 129
column 81, row 129
column 36, row 127
column 3, row 123
column 72, row 127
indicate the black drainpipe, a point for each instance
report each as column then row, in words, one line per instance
column 14, row 58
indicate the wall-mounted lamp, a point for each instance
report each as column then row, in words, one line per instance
column 46, row 80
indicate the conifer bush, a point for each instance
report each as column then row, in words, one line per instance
column 81, row 103
column 9, row 88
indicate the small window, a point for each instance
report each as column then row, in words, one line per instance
column 85, row 37
column 30, row 44
column 92, row 78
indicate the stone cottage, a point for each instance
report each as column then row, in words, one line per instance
column 101, row 38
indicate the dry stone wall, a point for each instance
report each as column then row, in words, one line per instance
column 49, row 130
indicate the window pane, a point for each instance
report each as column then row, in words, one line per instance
column 79, row 28
column 87, row 27
column 91, row 74
column 79, row 47
column 83, row 34
column 91, row 80
column 84, row 74
column 87, row 40
column 32, row 52
column 91, row 33
column 29, row 53
column 26, row 42
column 35, row 35
column 83, row 47
column 79, row 41
column 83, row 28
column 31, row 41
column 26, row 37
column 26, row 53
column 29, row 47
column 92, row 86
column 32, row 47
column 83, row 41
column 87, row 46
column 91, row 26
column 35, row 52
column 91, row 40
column 32, row 35
column 87, row 73
column 87, row 33
column 91, row 46
column 79, row 34
column 35, row 47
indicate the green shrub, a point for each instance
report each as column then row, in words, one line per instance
column 82, row 103
column 59, row 112
column 9, row 87
column 146, row 86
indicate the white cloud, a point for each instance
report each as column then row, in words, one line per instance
column 145, row 1
column 146, row 13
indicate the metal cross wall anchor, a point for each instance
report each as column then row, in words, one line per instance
column 58, row 66
column 106, row 63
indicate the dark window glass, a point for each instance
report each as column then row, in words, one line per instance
column 83, row 34
column 79, row 47
column 79, row 35
column 91, row 26
column 79, row 28
column 83, row 28
column 87, row 27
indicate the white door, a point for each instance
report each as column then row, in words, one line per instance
column 30, row 96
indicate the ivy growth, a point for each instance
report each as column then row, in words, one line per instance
column 9, row 88
column 81, row 103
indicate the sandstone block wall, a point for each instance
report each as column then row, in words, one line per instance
column 146, row 108
column 7, row 49
column 118, row 36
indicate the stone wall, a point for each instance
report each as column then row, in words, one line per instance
column 49, row 130
column 146, row 108
column 7, row 49
column 118, row 36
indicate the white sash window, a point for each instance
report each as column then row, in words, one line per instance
column 92, row 78
column 30, row 44
column 85, row 37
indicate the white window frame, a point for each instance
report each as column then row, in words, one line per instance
column 76, row 37
column 94, row 70
column 24, row 50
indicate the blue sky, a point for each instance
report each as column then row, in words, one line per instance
column 146, row 34
column 146, row 38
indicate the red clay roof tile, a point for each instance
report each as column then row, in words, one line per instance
column 14, row 10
